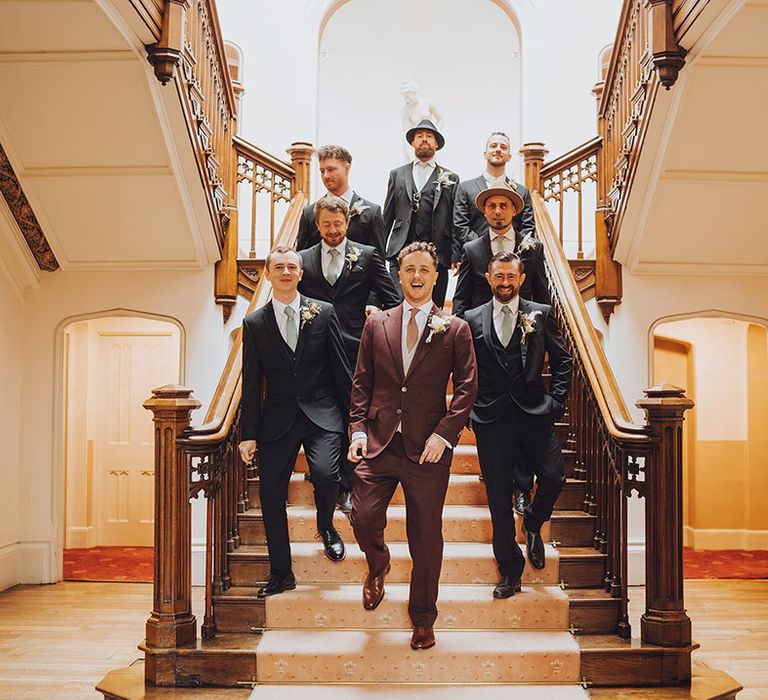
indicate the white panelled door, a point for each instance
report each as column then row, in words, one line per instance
column 129, row 366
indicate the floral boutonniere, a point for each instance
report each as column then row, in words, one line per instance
column 527, row 243
column 527, row 324
column 357, row 208
column 444, row 179
column 307, row 313
column 437, row 325
column 352, row 256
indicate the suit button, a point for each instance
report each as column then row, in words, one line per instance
column 404, row 389
column 398, row 411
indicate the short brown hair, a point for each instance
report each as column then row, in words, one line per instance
column 281, row 249
column 335, row 205
column 418, row 247
column 337, row 152
column 506, row 256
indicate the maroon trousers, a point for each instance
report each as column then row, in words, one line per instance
column 425, row 486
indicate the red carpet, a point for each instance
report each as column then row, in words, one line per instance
column 725, row 563
column 109, row 564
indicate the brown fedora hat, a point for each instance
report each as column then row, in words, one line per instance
column 503, row 191
column 426, row 125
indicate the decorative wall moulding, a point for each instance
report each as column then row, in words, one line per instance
column 10, row 188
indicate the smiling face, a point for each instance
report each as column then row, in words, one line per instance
column 335, row 175
column 418, row 274
column 497, row 150
column 424, row 144
column 505, row 279
column 284, row 272
column 332, row 226
column 499, row 212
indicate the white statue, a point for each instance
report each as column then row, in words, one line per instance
column 415, row 109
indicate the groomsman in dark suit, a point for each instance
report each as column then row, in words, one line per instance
column 419, row 205
column 513, row 411
column 468, row 221
column 293, row 353
column 345, row 274
column 401, row 431
column 499, row 206
column 366, row 224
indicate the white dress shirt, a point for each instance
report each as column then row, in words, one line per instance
column 325, row 255
column 422, row 171
column 510, row 242
column 498, row 314
column 347, row 196
column 491, row 181
column 282, row 319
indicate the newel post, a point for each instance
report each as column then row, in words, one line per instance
column 165, row 55
column 533, row 154
column 171, row 622
column 301, row 157
column 665, row 621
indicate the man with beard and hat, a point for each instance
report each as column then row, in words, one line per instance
column 514, row 412
column 366, row 225
column 468, row 221
column 419, row 205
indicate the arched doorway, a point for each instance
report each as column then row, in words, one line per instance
column 722, row 362
column 111, row 363
column 472, row 75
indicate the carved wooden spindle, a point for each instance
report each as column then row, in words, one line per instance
column 533, row 154
column 171, row 623
column 301, row 158
column 665, row 621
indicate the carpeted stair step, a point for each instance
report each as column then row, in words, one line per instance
column 462, row 563
column 339, row 606
column 406, row 691
column 327, row 656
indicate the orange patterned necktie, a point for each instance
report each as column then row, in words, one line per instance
column 412, row 331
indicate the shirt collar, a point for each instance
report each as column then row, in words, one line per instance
column 513, row 305
column 425, row 164
column 327, row 249
column 279, row 306
column 509, row 235
column 426, row 308
column 347, row 196
column 490, row 178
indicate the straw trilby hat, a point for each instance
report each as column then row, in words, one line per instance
column 503, row 190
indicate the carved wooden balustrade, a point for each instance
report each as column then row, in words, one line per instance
column 617, row 456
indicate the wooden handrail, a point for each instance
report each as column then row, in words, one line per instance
column 226, row 398
column 610, row 400
column 247, row 149
column 573, row 157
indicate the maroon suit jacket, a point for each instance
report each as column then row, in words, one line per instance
column 382, row 396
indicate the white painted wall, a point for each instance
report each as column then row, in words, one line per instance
column 11, row 352
column 559, row 45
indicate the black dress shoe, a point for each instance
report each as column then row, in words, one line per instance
column 334, row 547
column 535, row 549
column 345, row 502
column 277, row 584
column 507, row 587
column 522, row 501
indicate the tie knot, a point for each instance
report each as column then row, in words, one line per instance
column 414, row 311
column 289, row 312
column 506, row 310
column 334, row 252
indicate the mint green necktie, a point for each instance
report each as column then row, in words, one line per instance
column 291, row 332
column 334, row 266
column 507, row 326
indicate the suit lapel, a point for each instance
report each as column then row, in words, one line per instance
column 480, row 185
column 317, row 268
column 410, row 186
column 438, row 190
column 345, row 268
column 488, row 331
column 273, row 329
column 422, row 346
column 524, row 309
column 303, row 332
column 393, row 329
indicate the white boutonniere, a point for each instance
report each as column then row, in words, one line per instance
column 527, row 243
column 527, row 324
column 357, row 208
column 437, row 325
column 352, row 256
column 307, row 313
column 444, row 179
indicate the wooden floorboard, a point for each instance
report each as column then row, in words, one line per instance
column 59, row 641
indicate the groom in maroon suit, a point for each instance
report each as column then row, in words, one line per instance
column 401, row 432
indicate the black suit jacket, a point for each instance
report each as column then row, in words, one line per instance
column 470, row 223
column 367, row 227
column 316, row 379
column 497, row 386
column 352, row 291
column 398, row 210
column 472, row 289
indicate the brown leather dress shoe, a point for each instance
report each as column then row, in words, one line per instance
column 423, row 638
column 373, row 590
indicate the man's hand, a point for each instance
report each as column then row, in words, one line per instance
column 455, row 267
column 358, row 449
column 247, row 450
column 433, row 449
column 369, row 309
